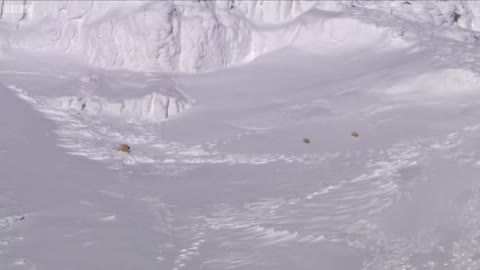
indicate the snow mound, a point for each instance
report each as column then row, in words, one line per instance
column 152, row 107
column 438, row 84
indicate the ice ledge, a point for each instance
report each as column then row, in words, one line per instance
column 152, row 107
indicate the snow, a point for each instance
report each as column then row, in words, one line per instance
column 215, row 99
column 200, row 36
column 442, row 83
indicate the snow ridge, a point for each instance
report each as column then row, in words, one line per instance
column 194, row 36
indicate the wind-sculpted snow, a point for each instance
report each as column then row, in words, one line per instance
column 205, row 35
column 84, row 133
column 347, row 138
column 229, row 182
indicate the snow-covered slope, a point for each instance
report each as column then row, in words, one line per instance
column 196, row 36
column 252, row 165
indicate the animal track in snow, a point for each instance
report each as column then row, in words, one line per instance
column 94, row 139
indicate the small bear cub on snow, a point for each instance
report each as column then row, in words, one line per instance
column 124, row 148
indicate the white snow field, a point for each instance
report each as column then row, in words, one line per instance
column 215, row 99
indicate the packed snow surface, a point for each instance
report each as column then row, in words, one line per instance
column 270, row 135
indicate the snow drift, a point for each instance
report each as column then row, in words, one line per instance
column 193, row 36
column 441, row 84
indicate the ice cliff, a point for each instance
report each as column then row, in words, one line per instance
column 195, row 36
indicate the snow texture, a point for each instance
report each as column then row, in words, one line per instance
column 219, row 176
column 194, row 36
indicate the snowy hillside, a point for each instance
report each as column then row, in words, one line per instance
column 204, row 35
column 264, row 135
